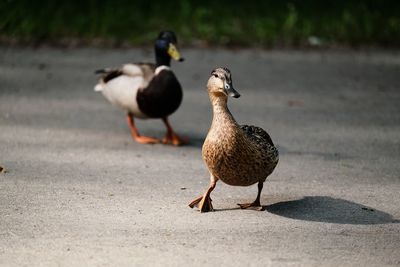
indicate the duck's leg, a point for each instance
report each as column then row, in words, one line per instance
column 204, row 202
column 135, row 133
column 171, row 137
column 256, row 204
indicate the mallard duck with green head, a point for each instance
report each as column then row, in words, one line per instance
column 147, row 90
column 238, row 155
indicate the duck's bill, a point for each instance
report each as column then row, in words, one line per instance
column 174, row 53
column 231, row 91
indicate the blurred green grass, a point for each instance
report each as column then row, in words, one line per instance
column 265, row 23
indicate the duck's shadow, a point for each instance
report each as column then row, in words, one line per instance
column 196, row 142
column 329, row 210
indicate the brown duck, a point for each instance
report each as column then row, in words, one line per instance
column 239, row 155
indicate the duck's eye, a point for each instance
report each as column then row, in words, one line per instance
column 215, row 75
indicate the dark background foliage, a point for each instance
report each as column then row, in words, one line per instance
column 263, row 23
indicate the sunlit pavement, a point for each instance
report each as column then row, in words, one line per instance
column 78, row 191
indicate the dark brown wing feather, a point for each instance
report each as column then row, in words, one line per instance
column 108, row 76
column 257, row 134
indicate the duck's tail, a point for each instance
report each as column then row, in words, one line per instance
column 99, row 87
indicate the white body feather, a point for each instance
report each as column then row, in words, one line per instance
column 121, row 92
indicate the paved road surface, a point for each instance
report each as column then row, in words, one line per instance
column 80, row 192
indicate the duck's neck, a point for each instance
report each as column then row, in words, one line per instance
column 162, row 59
column 221, row 114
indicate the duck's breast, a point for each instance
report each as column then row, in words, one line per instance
column 122, row 92
column 236, row 162
column 162, row 96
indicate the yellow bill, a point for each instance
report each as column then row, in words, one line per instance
column 173, row 52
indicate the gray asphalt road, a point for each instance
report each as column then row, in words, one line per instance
column 80, row 192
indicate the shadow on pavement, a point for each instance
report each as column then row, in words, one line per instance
column 326, row 155
column 330, row 210
column 195, row 141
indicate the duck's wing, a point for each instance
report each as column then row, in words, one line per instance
column 264, row 142
column 257, row 134
column 148, row 70
column 106, row 76
column 141, row 72
column 144, row 70
column 121, row 85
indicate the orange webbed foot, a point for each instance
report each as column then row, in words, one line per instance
column 171, row 137
column 204, row 204
column 175, row 140
column 146, row 139
column 136, row 135
column 195, row 202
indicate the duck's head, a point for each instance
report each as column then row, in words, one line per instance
column 165, row 48
column 220, row 84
